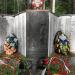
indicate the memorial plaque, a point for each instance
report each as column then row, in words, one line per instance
column 37, row 25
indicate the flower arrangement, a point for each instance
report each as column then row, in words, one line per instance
column 10, row 60
column 56, row 66
column 10, row 66
column 61, row 43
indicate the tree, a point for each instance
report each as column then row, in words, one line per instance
column 12, row 6
column 64, row 7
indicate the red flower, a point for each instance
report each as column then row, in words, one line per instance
column 54, row 61
column 65, row 73
column 60, row 71
column 48, row 72
column 61, row 65
column 46, row 61
column 67, row 63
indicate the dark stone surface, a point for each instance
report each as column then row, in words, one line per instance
column 37, row 23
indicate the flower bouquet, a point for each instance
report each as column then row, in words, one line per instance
column 56, row 66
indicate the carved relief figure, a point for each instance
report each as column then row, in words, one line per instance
column 37, row 4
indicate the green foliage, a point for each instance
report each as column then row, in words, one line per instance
column 16, row 6
column 47, row 4
column 12, row 6
column 63, row 7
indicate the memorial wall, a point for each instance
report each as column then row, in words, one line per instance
column 3, row 30
column 42, row 24
column 53, row 28
column 40, row 27
column 67, row 24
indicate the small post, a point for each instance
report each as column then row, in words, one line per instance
column 53, row 6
